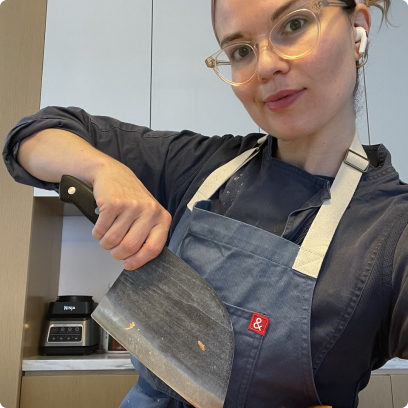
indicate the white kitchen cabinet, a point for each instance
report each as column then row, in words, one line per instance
column 97, row 56
column 185, row 93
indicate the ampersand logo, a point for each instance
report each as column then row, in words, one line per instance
column 258, row 324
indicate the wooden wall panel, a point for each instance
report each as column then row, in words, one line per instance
column 43, row 270
column 102, row 391
column 22, row 26
column 400, row 390
column 377, row 394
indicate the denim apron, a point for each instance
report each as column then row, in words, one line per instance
column 266, row 283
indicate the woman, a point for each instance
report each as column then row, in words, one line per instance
column 269, row 250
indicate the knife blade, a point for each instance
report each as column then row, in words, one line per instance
column 167, row 316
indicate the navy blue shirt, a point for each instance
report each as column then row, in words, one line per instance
column 360, row 306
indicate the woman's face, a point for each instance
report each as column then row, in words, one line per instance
column 326, row 76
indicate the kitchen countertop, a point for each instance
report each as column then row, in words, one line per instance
column 394, row 366
column 96, row 361
column 100, row 361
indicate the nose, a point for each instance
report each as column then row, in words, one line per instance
column 269, row 62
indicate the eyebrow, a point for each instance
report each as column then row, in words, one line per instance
column 231, row 37
column 278, row 12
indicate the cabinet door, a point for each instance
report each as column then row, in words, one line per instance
column 400, row 390
column 185, row 93
column 377, row 394
column 97, row 57
column 79, row 391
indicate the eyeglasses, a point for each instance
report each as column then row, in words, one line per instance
column 292, row 37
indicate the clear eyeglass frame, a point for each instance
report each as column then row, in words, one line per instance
column 312, row 6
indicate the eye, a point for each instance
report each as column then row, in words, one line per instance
column 239, row 53
column 294, row 25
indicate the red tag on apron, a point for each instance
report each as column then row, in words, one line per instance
column 258, row 324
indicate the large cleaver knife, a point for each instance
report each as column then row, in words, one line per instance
column 167, row 316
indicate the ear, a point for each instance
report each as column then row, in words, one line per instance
column 361, row 18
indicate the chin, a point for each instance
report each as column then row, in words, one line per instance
column 288, row 131
column 292, row 125
column 283, row 125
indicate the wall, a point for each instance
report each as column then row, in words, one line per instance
column 387, row 85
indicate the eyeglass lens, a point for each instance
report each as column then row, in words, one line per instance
column 293, row 36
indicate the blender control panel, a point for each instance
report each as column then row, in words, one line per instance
column 65, row 334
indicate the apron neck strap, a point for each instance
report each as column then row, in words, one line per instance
column 317, row 241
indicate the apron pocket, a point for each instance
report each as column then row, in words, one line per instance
column 155, row 382
column 247, row 347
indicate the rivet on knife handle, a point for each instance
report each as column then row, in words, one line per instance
column 76, row 192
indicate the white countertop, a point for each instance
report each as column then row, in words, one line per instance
column 116, row 362
column 97, row 361
column 394, row 366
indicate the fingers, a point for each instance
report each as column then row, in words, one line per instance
column 109, row 213
column 131, row 223
column 134, row 236
column 131, row 229
column 150, row 249
column 105, row 223
column 116, row 230
column 134, row 239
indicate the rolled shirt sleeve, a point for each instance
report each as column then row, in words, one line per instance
column 398, row 333
column 163, row 161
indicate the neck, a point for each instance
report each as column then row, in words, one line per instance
column 319, row 153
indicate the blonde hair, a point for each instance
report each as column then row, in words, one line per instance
column 384, row 8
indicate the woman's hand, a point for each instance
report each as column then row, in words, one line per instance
column 131, row 223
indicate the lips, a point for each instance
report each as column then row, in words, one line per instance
column 283, row 99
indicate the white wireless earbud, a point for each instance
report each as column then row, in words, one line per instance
column 361, row 36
